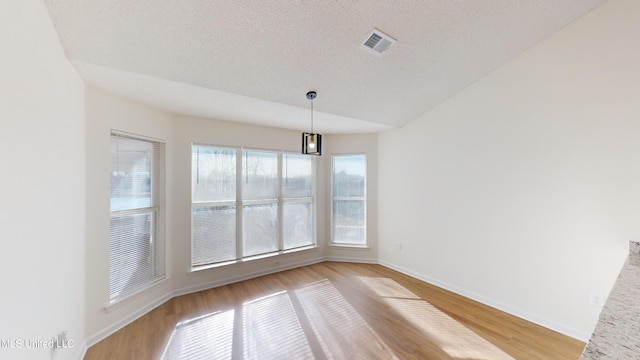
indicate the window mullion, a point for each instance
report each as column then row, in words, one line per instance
column 280, row 207
column 239, row 204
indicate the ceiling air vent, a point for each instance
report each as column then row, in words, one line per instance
column 378, row 42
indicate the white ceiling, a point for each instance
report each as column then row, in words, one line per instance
column 254, row 60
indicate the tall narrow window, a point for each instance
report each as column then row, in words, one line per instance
column 213, row 209
column 297, row 201
column 135, row 241
column 348, row 220
column 259, row 181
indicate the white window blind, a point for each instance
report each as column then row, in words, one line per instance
column 259, row 182
column 348, row 208
column 248, row 203
column 135, row 249
column 213, row 218
column 297, row 199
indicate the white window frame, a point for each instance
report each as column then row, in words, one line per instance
column 249, row 202
column 358, row 198
column 240, row 202
column 156, row 227
column 237, row 202
column 309, row 199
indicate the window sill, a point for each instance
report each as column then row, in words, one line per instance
column 303, row 248
column 196, row 269
column 350, row 246
column 118, row 302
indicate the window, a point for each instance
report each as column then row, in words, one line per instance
column 348, row 208
column 213, row 213
column 135, row 246
column 297, row 200
column 260, row 228
column 247, row 203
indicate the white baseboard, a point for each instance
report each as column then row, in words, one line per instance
column 566, row 330
column 101, row 335
column 83, row 351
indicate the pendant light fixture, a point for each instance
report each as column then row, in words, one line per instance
column 311, row 143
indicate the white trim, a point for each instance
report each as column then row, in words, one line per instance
column 280, row 202
column 83, row 351
column 131, row 296
column 157, row 202
column 351, row 259
column 350, row 246
column 298, row 249
column 522, row 314
column 347, row 198
column 137, row 136
column 197, row 268
column 109, row 330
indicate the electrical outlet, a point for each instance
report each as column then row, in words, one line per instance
column 596, row 299
column 399, row 245
column 60, row 341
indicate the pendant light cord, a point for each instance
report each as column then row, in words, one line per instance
column 312, row 116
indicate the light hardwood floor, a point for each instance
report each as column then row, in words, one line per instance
column 332, row 310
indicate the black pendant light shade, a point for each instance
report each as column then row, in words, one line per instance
column 311, row 142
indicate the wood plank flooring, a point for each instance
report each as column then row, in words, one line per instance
column 332, row 310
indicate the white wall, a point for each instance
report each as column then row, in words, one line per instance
column 105, row 112
column 41, row 187
column 523, row 189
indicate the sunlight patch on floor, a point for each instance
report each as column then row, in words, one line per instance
column 341, row 331
column 272, row 329
column 205, row 337
column 385, row 287
column 455, row 339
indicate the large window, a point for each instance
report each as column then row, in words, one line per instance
column 349, row 203
column 248, row 203
column 135, row 245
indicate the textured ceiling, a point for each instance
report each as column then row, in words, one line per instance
column 254, row 60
